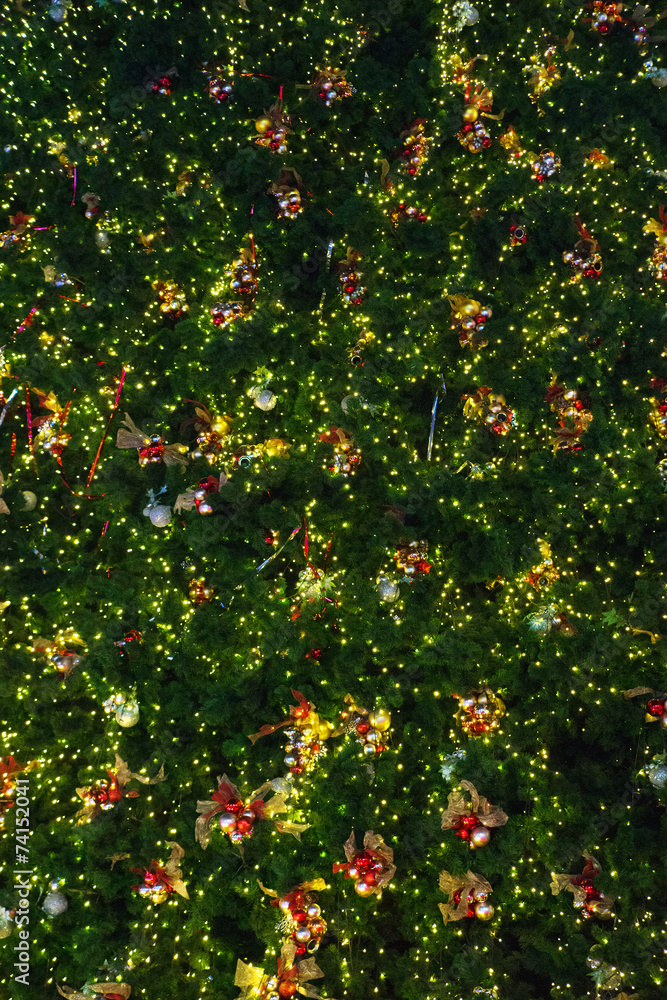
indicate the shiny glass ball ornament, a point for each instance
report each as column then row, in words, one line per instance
column 302, row 935
column 54, row 904
column 388, row 590
column 227, row 822
column 265, row 400
column 128, row 714
column 204, row 508
column 284, row 905
column 272, row 984
column 287, row 989
column 372, row 736
column 290, row 760
column 353, row 871
column 483, row 911
column 362, row 888
column 236, row 837
column 30, row 500
column 313, row 911
column 263, row 124
column 102, row 239
column 480, row 836
column 243, row 826
column 369, row 749
column 657, row 774
column 470, row 113
column 159, row 514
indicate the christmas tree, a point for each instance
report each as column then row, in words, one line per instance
column 332, row 440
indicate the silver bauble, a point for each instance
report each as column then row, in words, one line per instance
column 159, row 514
column 265, row 400
column 128, row 714
column 54, row 904
column 388, row 590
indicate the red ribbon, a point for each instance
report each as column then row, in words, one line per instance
column 29, row 419
column 106, row 431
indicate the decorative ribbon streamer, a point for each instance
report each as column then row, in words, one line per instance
column 6, row 406
column 26, row 322
column 642, row 631
column 73, row 190
column 104, row 437
column 29, row 418
column 275, row 554
column 433, row 413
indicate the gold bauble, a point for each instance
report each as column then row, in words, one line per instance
column 363, row 888
column 263, row 124
column 307, row 731
column 380, row 719
column 220, row 426
column 30, row 500
column 325, row 730
column 469, row 308
column 470, row 113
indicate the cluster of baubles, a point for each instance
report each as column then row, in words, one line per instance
column 403, row 211
column 330, row 85
column 518, row 235
column 411, row 559
column 473, row 134
column 217, row 86
column 480, row 712
column 200, row 591
column 273, row 127
column 545, row 166
column 171, row 299
column 573, row 417
column 468, row 318
column 305, row 743
column 213, row 434
column 354, row 353
column 288, row 200
column 349, row 278
column 415, row 147
column 656, row 710
column 370, row 728
column 489, row 409
column 238, row 821
column 544, row 573
column 302, row 920
column 124, row 707
column 243, row 282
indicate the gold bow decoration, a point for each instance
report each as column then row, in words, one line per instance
column 479, row 806
column 586, row 896
column 151, row 448
column 121, row 990
column 465, row 894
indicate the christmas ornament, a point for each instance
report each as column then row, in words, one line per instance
column 354, row 353
column 6, row 922
column 159, row 513
column 150, row 447
column 160, row 882
column 290, row 979
column 605, row 15
column 574, row 418
column 656, row 771
column 287, row 196
column 92, row 203
column 59, row 651
column 212, row 434
column 471, row 821
column 58, row 10
column 489, row 409
column 198, row 496
column 19, row 234
column 403, row 211
column 56, row 278
column 549, row 618
column 544, row 573
column 371, row 868
column 414, row 151
column 598, row 158
column 388, row 590
column 159, row 81
column 217, row 85
column 243, row 281
column 273, row 128
column 585, row 259
column 132, row 636
column 348, row 278
column 109, row 991
column 371, row 729
column 237, row 817
column 330, row 85
column 467, row 897
column 411, row 560
column 50, row 435
column 543, row 75
column 305, row 735
column 467, row 320
column 124, row 707
column 105, row 795
column 545, row 166
column 509, row 140
column 312, row 587
column 656, row 710
column 478, row 104
column 480, row 711
column 260, row 393
column 659, row 230
column 199, row 591
column 30, row 500
column 593, row 902
column 171, row 298
column 301, row 921
column 465, row 15
column 55, row 903
column 658, row 414
column 346, row 457
column 518, row 235
column 10, row 770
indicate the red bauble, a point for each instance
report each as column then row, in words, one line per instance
column 363, row 727
column 234, row 806
column 300, row 950
column 363, row 861
column 287, row 988
column 299, row 916
column 301, row 711
column 655, row 707
column 243, row 826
